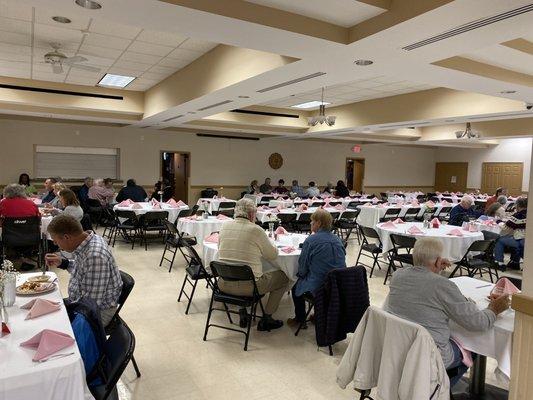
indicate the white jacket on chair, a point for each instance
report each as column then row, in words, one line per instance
column 397, row 356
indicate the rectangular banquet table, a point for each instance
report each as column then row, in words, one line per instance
column 23, row 379
column 145, row 207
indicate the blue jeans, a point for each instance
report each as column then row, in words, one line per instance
column 516, row 246
column 457, row 363
column 299, row 306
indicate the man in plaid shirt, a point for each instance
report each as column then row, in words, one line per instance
column 94, row 273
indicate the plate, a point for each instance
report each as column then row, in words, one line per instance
column 30, row 288
column 39, row 278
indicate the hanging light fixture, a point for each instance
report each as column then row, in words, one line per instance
column 468, row 133
column 322, row 117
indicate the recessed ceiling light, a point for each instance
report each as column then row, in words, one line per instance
column 62, row 20
column 508, row 91
column 119, row 81
column 311, row 104
column 244, row 97
column 89, row 4
column 363, row 63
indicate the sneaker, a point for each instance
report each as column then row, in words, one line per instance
column 243, row 318
column 269, row 324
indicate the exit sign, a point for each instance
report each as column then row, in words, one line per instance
column 356, row 148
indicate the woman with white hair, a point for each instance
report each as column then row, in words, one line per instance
column 420, row 294
column 497, row 210
column 15, row 204
column 243, row 242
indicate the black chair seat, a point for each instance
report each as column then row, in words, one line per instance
column 196, row 272
column 346, row 224
column 241, row 301
column 127, row 225
column 477, row 263
column 371, row 247
column 404, row 258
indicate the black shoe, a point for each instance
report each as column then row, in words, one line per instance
column 243, row 318
column 269, row 324
column 514, row 265
column 501, row 267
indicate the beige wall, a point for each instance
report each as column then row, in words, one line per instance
column 509, row 150
column 216, row 162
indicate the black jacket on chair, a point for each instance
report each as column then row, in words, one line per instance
column 340, row 304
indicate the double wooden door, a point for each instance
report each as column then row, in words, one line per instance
column 502, row 174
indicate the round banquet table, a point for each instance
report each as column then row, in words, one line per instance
column 371, row 214
column 265, row 215
column 454, row 249
column 286, row 262
column 201, row 228
column 147, row 206
column 212, row 204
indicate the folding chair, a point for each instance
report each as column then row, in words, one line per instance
column 371, row 250
column 390, row 214
column 152, row 221
column 399, row 242
column 23, row 236
column 473, row 264
column 95, row 210
column 127, row 223
column 194, row 272
column 303, row 223
column 346, row 224
column 287, row 220
column 411, row 214
column 175, row 241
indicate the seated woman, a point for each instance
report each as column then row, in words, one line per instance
column 56, row 202
column 253, row 188
column 162, row 191
column 341, row 190
column 420, row 294
column 70, row 204
column 321, row 252
column 15, row 204
column 24, row 180
column 497, row 210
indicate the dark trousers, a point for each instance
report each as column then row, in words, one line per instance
column 299, row 306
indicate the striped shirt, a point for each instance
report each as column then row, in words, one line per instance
column 94, row 273
column 516, row 225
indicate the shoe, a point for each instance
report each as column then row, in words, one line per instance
column 243, row 318
column 514, row 265
column 294, row 323
column 269, row 324
column 502, row 267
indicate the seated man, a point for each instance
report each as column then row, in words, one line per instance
column 296, row 188
column 462, row 212
column 93, row 271
column 132, row 191
column 501, row 191
column 321, row 253
column 101, row 192
column 48, row 194
column 281, row 189
column 513, row 235
column 420, row 294
column 243, row 242
column 266, row 188
column 83, row 193
column 312, row 190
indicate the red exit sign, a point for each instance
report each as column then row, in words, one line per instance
column 356, row 148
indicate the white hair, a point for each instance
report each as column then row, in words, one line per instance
column 502, row 200
column 244, row 207
column 467, row 199
column 98, row 182
column 426, row 251
column 14, row 190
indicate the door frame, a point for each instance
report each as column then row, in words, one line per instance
column 364, row 170
column 188, row 172
column 503, row 162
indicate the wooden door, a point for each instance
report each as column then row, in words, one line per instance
column 502, row 174
column 181, row 166
column 451, row 176
column 350, row 175
column 358, row 176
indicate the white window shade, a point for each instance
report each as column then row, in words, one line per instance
column 76, row 162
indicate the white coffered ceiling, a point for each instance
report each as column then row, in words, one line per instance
column 26, row 34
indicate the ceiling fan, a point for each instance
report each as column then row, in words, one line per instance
column 469, row 133
column 57, row 59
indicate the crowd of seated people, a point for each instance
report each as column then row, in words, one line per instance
column 312, row 190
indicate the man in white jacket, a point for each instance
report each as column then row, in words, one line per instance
column 420, row 294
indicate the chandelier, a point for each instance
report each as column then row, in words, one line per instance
column 469, row 133
column 322, row 117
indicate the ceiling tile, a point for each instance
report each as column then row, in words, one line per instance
column 97, row 61
column 150, row 48
column 130, row 66
column 162, row 70
column 15, row 26
column 8, row 64
column 46, row 45
column 110, row 42
column 82, row 80
column 15, row 38
column 173, row 63
column 197, row 45
column 50, row 34
column 44, row 16
column 50, row 76
column 15, row 10
column 17, row 57
column 184, row 54
column 14, row 49
column 139, row 58
column 81, row 73
column 98, row 51
column 162, row 38
column 155, row 76
column 16, row 73
column 105, row 27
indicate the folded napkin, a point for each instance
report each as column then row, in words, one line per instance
column 297, row 199
column 415, row 230
column 375, row 200
column 156, row 206
column 181, row 204
column 340, row 207
column 315, row 198
column 398, row 221
column 444, row 203
column 388, row 224
column 48, row 342
column 154, row 202
column 472, row 228
column 275, row 211
column 136, row 206
column 172, row 202
column 281, row 231
column 222, row 217
column 5, row 330
column 455, row 232
column 288, row 249
column 40, row 307
column 489, row 222
column 435, row 223
column 302, row 207
column 414, row 203
column 504, row 287
column 213, row 238
column 430, row 204
column 264, row 208
column 125, row 203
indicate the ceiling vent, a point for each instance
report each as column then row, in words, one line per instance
column 470, row 26
column 215, row 105
column 291, row 82
column 406, row 125
column 213, row 136
column 172, row 118
column 63, row 92
column 266, row 113
column 500, row 116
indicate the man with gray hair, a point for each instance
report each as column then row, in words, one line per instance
column 462, row 212
column 243, row 242
column 99, row 191
column 420, row 294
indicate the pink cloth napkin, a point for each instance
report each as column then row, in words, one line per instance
column 489, row 222
column 302, row 207
column 504, row 287
column 375, row 200
column 125, row 203
column 136, row 206
column 281, row 230
column 264, row 208
column 415, row 230
column 48, row 342
column 222, row 217
column 154, row 202
column 181, row 204
column 467, row 355
column 172, row 203
column 414, row 203
column 340, row 207
column 274, row 211
column 388, row 224
column 288, row 249
column 398, row 221
column 435, row 222
column 156, row 206
column 455, row 232
column 213, row 238
column 444, row 203
column 40, row 307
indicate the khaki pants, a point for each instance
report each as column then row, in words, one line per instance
column 274, row 282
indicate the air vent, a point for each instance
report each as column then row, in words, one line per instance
column 209, row 135
column 267, row 114
column 64, row 92
column 494, row 116
column 470, row 27
column 407, row 125
column 172, row 118
column 291, row 82
column 215, row 105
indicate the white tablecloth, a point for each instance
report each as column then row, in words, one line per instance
column 146, row 206
column 45, row 221
column 288, row 263
column 201, row 228
column 266, row 215
column 454, row 246
column 495, row 343
column 212, row 204
column 23, row 379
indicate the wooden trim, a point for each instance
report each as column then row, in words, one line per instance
column 523, row 303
